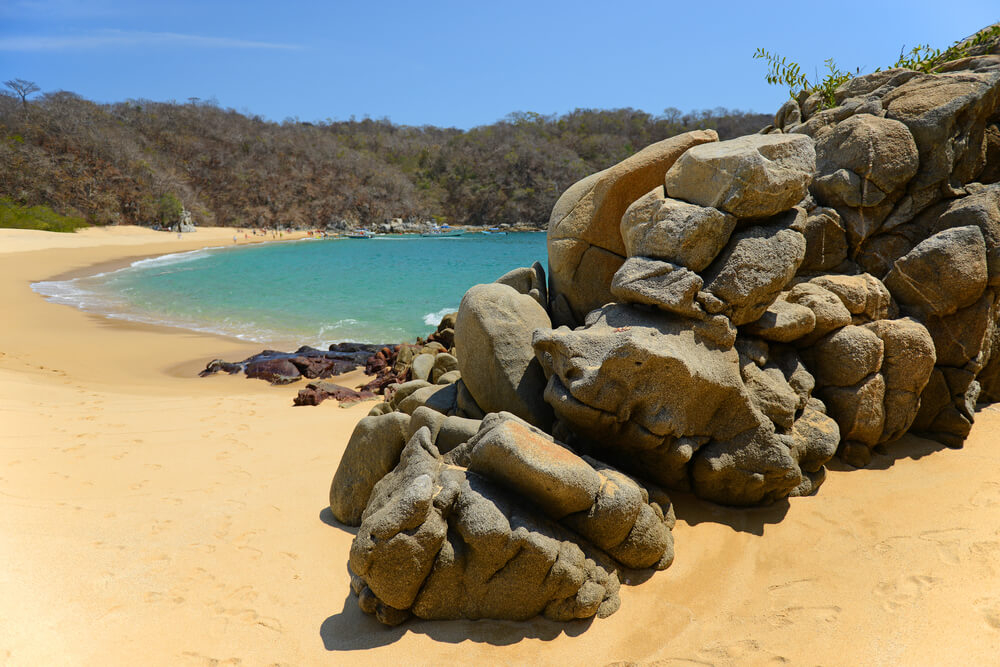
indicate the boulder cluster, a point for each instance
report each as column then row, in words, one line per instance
column 430, row 361
column 719, row 317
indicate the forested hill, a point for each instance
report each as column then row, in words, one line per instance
column 135, row 162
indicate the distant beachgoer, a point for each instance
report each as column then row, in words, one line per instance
column 234, row 238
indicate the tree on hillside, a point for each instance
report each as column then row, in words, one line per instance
column 23, row 88
column 116, row 163
column 169, row 209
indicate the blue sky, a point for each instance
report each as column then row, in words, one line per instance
column 455, row 63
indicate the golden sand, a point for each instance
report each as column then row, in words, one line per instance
column 151, row 517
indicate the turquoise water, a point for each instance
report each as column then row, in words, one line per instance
column 385, row 289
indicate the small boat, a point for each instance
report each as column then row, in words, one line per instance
column 359, row 234
column 494, row 231
column 443, row 231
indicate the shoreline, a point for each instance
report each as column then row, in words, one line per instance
column 154, row 517
column 65, row 288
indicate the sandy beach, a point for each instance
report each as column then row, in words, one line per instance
column 152, row 517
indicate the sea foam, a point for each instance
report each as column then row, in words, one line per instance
column 433, row 319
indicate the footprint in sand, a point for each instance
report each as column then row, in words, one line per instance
column 812, row 616
column 243, row 594
column 904, row 591
column 256, row 553
column 746, row 651
column 949, row 543
column 990, row 609
column 794, row 587
column 160, row 526
column 200, row 659
column 251, row 617
column 987, row 495
column 985, row 553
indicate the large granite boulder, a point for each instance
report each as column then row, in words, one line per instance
column 493, row 343
column 442, row 542
column 947, row 116
column 600, row 503
column 675, row 231
column 783, row 322
column 658, row 395
column 863, row 165
column 584, row 243
column 756, row 176
column 755, row 266
column 528, row 280
column 942, row 274
column 871, row 377
column 661, row 284
column 826, row 240
column 371, row 453
column 864, row 296
column 962, row 344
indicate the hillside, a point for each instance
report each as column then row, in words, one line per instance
column 136, row 162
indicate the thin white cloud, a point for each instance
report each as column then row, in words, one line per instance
column 124, row 39
column 60, row 9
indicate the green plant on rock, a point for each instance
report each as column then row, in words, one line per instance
column 921, row 58
column 782, row 72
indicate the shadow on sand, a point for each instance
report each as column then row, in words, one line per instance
column 885, row 456
column 352, row 630
column 694, row 510
column 326, row 516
